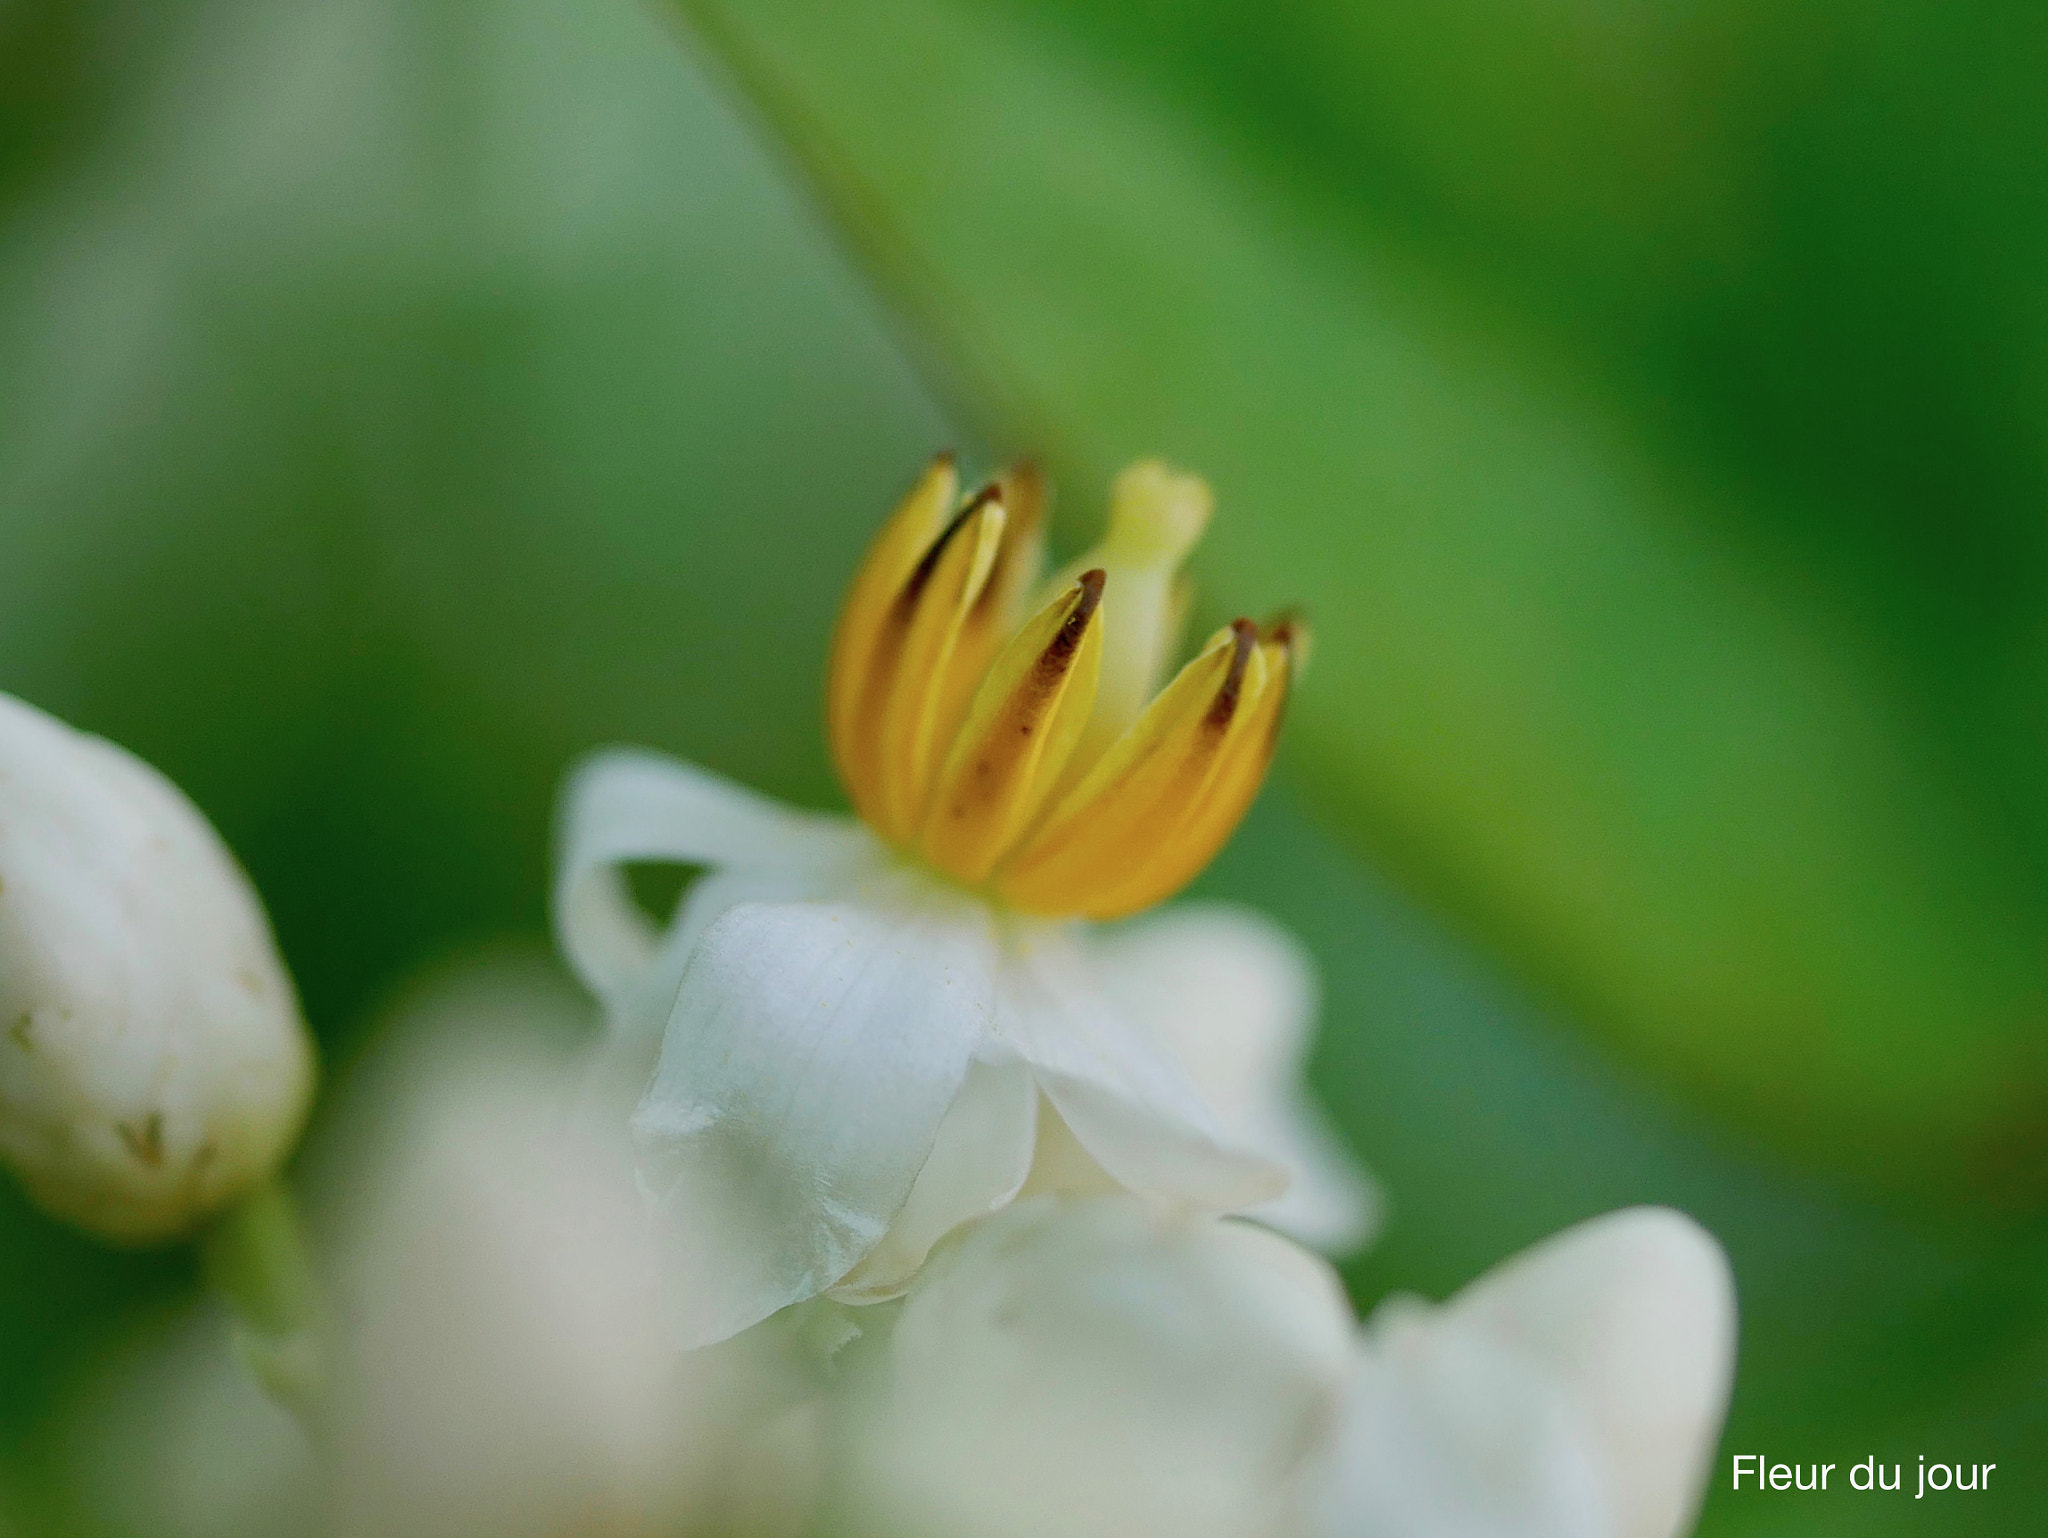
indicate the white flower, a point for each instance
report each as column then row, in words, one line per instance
column 1097, row 1369
column 1574, row 1392
column 153, row 1064
column 873, row 1031
column 508, row 1370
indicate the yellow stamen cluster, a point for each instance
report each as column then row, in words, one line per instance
column 1024, row 757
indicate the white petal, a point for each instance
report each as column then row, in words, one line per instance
column 1574, row 1392
column 978, row 1163
column 814, row 1052
column 1444, row 1435
column 628, row 805
column 1125, row 1097
column 1100, row 1369
column 1235, row 997
column 1633, row 1316
column 1231, row 991
column 639, row 1013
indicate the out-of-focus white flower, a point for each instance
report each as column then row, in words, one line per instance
column 1099, row 1369
column 1096, row 1369
column 508, row 1370
column 1576, row 1391
column 153, row 1065
column 865, row 1026
column 171, row 1436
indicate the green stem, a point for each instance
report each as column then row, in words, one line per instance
column 256, row 1259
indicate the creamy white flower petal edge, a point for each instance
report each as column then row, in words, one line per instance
column 1237, row 998
column 1575, row 1391
column 854, row 1057
column 1097, row 1369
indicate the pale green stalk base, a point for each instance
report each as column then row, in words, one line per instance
column 256, row 1260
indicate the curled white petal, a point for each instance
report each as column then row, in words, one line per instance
column 979, row 1161
column 1235, row 997
column 813, row 1055
column 1124, row 1096
column 627, row 806
column 153, row 1064
column 1576, row 1391
column 1100, row 1369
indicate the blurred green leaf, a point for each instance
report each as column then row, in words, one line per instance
column 395, row 403
column 1569, row 680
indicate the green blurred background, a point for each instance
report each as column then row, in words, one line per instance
column 1647, row 402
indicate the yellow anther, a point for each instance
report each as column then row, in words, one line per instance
column 1111, row 828
column 1214, row 813
column 890, row 559
column 1001, row 606
column 1025, row 721
column 893, row 727
column 1024, row 757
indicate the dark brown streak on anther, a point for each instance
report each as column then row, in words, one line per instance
column 1025, row 708
column 1057, row 659
column 888, row 646
column 1244, row 636
column 1019, row 502
column 921, row 574
column 1068, row 640
column 1053, row 664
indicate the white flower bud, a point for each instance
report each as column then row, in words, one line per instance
column 153, row 1064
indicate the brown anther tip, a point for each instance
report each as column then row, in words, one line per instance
column 921, row 573
column 1283, row 626
column 1026, row 494
column 1244, row 635
column 947, row 457
column 1066, row 642
column 1290, row 632
column 1024, row 472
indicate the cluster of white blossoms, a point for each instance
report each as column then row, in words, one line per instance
column 1070, row 1367
column 1025, row 1184
column 919, row 1186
